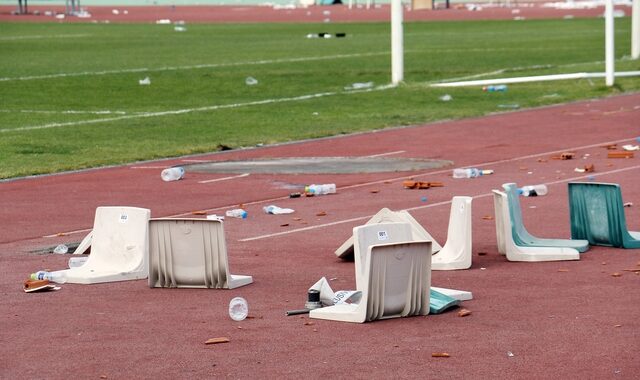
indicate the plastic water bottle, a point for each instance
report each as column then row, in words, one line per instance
column 533, row 191
column 57, row 277
column 496, row 88
column 329, row 188
column 237, row 213
column 61, row 249
column 470, row 172
column 172, row 174
column 238, row 309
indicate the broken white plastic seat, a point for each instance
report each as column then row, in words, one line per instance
column 190, row 253
column 119, row 247
column 84, row 245
column 394, row 277
column 515, row 252
column 520, row 234
column 460, row 295
column 456, row 253
column 346, row 250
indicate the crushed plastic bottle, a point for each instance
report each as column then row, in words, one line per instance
column 238, row 309
column 237, row 213
column 533, row 191
column 172, row 174
column 251, row 81
column 58, row 276
column 329, row 188
column 496, row 88
column 470, row 172
column 61, row 249
column 275, row 210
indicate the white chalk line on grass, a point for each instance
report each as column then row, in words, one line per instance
column 431, row 205
column 67, row 112
column 43, row 36
column 270, row 200
column 192, row 67
column 191, row 110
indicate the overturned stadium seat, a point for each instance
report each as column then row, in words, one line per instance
column 456, row 253
column 522, row 237
column 190, row 253
column 394, row 277
column 346, row 250
column 119, row 247
column 597, row 214
column 515, row 252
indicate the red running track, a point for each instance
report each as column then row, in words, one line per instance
column 557, row 319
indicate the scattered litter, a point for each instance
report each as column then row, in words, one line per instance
column 488, row 217
column 630, row 147
column 238, row 309
column 237, row 213
column 295, row 195
column 610, row 146
column 585, row 169
column 446, row 98
column 312, row 190
column 482, row 253
column 250, row 81
column 440, row 355
column 619, row 154
column 58, row 276
column 510, row 354
column 542, row 160
column 326, row 35
column 496, row 88
column 144, row 82
column 219, row 218
column 423, row 199
column 591, row 178
column 31, row 286
column 519, row 18
column 172, row 174
column 483, row 268
column 564, row 156
column 464, row 312
column 470, row 172
column 635, row 270
column 616, row 274
column 61, row 249
column 199, row 212
column 359, row 86
column 115, row 11
column 513, row 106
column 284, row 225
column 179, row 28
column 275, row 210
column 533, row 191
column 321, row 213
column 627, row 204
column 60, row 16
column 563, row 270
column 420, row 185
column 164, row 21
column 374, row 191
column 223, row 339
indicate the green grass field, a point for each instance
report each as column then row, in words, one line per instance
column 71, row 96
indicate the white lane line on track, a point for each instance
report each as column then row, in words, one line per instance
column 270, row 200
column 225, row 178
column 199, row 109
column 387, row 154
column 266, row 236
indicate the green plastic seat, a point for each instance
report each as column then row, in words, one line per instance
column 523, row 238
column 597, row 214
column 439, row 302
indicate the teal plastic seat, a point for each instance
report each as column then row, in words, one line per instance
column 520, row 234
column 597, row 214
